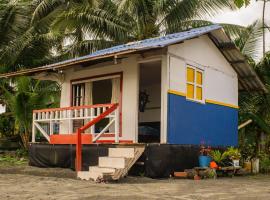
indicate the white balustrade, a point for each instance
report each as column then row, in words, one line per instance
column 66, row 116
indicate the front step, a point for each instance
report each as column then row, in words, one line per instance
column 101, row 169
column 114, row 166
column 121, row 152
column 112, row 162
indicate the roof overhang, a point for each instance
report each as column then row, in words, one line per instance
column 248, row 79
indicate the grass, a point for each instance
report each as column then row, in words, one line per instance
column 10, row 160
column 13, row 159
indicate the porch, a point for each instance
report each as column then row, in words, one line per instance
column 98, row 123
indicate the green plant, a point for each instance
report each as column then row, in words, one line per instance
column 232, row 153
column 217, row 156
column 26, row 96
column 248, row 151
column 265, row 163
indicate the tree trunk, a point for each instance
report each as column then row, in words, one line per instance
column 263, row 26
column 25, row 140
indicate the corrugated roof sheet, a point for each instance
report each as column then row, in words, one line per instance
column 151, row 43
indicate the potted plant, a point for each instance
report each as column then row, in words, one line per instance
column 234, row 155
column 204, row 158
column 218, row 157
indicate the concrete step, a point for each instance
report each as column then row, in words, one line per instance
column 112, row 162
column 102, row 170
column 86, row 175
column 122, row 152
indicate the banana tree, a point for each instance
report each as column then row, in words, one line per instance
column 27, row 95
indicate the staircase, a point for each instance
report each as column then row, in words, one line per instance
column 114, row 166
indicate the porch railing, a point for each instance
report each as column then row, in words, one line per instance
column 46, row 120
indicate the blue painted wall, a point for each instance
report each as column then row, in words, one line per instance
column 192, row 123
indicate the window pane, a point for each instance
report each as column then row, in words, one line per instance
column 190, row 75
column 190, row 91
column 198, row 93
column 199, row 78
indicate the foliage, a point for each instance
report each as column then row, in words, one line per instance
column 241, row 3
column 248, row 151
column 42, row 31
column 7, row 125
column 265, row 163
column 27, row 95
column 23, row 44
column 256, row 106
column 217, row 156
column 232, row 153
column 12, row 160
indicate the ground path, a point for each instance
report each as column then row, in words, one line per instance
column 20, row 187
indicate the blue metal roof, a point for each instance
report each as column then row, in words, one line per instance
column 151, row 43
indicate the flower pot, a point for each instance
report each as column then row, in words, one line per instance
column 247, row 166
column 255, row 165
column 236, row 163
column 204, row 161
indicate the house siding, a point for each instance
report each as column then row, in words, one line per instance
column 193, row 123
column 214, row 120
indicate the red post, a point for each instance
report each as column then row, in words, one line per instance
column 79, row 151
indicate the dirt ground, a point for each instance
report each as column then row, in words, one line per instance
column 18, row 184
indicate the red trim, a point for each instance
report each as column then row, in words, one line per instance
column 70, row 139
column 120, row 100
column 86, row 139
column 79, row 134
column 73, row 108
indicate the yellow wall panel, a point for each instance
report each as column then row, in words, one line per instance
column 199, row 78
column 190, row 75
column 190, row 91
column 198, row 93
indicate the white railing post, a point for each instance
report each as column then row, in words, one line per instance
column 116, row 123
column 70, row 121
column 92, row 114
column 33, row 128
column 51, row 122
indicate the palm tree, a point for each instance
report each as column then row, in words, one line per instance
column 256, row 106
column 23, row 43
column 27, row 95
column 89, row 25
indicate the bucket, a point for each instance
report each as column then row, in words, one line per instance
column 204, row 161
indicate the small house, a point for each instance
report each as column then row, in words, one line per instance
column 173, row 91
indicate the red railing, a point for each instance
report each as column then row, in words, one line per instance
column 78, row 161
column 72, row 108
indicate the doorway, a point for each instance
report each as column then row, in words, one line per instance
column 149, row 102
column 101, row 90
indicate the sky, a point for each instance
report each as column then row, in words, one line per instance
column 246, row 16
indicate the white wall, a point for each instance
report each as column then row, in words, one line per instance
column 221, row 82
column 129, row 67
column 153, row 108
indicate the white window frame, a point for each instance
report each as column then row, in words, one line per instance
column 196, row 69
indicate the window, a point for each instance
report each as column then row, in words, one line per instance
column 78, row 94
column 194, row 83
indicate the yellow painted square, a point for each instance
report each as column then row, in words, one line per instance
column 198, row 93
column 190, row 75
column 190, row 91
column 199, row 78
